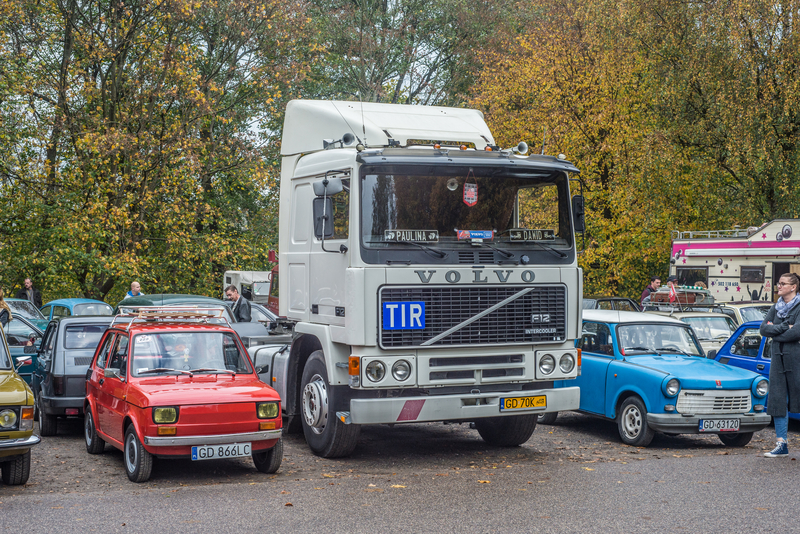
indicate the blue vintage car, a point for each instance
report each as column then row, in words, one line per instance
column 26, row 309
column 648, row 373
column 70, row 307
column 747, row 349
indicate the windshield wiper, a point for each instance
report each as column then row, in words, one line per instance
column 164, row 370
column 504, row 252
column 426, row 248
column 550, row 249
column 212, row 370
column 673, row 349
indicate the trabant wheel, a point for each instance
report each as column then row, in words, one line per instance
column 94, row 443
column 270, row 460
column 17, row 471
column 508, row 431
column 48, row 424
column 547, row 418
column 325, row 434
column 740, row 439
column 138, row 462
column 632, row 423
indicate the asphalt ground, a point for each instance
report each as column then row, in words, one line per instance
column 574, row 476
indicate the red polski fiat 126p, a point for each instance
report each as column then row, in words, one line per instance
column 169, row 382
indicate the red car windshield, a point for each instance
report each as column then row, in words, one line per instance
column 196, row 352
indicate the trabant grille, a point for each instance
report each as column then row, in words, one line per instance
column 538, row 316
column 713, row 402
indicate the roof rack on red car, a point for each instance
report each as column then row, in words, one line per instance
column 149, row 314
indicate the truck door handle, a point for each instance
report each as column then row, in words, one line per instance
column 760, row 366
column 101, row 381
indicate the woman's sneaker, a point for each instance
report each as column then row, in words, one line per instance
column 781, row 450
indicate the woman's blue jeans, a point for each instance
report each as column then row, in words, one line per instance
column 782, row 427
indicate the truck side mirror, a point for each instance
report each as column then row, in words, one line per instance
column 323, row 205
column 578, row 214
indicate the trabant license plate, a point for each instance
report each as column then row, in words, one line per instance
column 511, row 404
column 719, row 425
column 215, row 452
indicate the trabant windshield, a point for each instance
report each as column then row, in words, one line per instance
column 718, row 327
column 25, row 308
column 455, row 210
column 93, row 308
column 756, row 313
column 657, row 338
column 171, row 352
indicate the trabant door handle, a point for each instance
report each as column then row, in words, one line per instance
column 101, row 381
column 760, row 366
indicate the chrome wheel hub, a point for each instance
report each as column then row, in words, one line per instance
column 315, row 404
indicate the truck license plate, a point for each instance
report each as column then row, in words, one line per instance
column 719, row 425
column 511, row 404
column 214, row 452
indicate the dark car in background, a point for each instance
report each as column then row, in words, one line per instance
column 59, row 376
column 610, row 303
column 26, row 309
column 23, row 339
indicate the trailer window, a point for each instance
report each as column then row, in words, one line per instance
column 753, row 274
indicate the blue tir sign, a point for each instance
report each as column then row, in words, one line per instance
column 403, row 315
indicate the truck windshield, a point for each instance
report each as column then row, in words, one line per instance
column 503, row 213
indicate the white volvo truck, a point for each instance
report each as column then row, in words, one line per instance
column 430, row 275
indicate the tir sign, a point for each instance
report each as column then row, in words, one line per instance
column 403, row 315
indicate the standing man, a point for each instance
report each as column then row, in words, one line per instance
column 30, row 293
column 241, row 308
column 135, row 290
column 655, row 283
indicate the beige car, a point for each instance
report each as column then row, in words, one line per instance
column 741, row 312
column 712, row 329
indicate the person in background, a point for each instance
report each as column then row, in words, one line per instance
column 655, row 283
column 28, row 292
column 5, row 311
column 784, row 383
column 241, row 308
column 135, row 290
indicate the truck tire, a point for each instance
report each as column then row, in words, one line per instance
column 48, row 424
column 509, row 431
column 325, row 434
column 17, row 470
column 269, row 461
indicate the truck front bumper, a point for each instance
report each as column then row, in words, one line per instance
column 466, row 407
column 680, row 424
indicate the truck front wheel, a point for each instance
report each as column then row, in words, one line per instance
column 508, row 431
column 325, row 434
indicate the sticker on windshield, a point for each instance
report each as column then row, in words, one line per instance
column 524, row 234
column 470, row 194
column 142, row 338
column 418, row 236
column 475, row 234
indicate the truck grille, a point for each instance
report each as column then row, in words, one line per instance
column 713, row 402
column 539, row 316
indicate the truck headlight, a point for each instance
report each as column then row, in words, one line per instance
column 8, row 419
column 762, row 388
column 401, row 370
column 546, row 364
column 267, row 410
column 165, row 415
column 375, row 371
column 567, row 363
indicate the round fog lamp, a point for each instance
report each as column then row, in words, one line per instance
column 8, row 418
column 546, row 364
column 673, row 386
column 400, row 370
column 567, row 363
column 375, row 371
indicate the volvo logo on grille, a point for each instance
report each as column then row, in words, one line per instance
column 540, row 318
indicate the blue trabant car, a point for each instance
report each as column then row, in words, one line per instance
column 747, row 349
column 649, row 374
column 70, row 307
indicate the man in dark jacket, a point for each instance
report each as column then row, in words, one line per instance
column 655, row 283
column 241, row 308
column 30, row 293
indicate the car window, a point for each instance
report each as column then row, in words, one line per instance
column 119, row 355
column 258, row 315
column 5, row 359
column 597, row 338
column 83, row 336
column 718, row 327
column 24, row 308
column 730, row 313
column 656, row 338
column 605, row 305
column 102, row 358
column 756, row 313
column 767, row 355
column 46, row 311
column 49, row 342
column 748, row 343
column 19, row 334
column 187, row 351
column 589, row 304
column 92, row 308
column 625, row 305
column 60, row 311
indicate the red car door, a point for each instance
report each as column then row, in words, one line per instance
column 95, row 379
column 112, row 390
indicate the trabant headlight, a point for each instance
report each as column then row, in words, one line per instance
column 567, row 363
column 8, row 419
column 165, row 415
column 761, row 387
column 375, row 371
column 267, row 410
column 400, row 370
column 546, row 364
column 672, row 387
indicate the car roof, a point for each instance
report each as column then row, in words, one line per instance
column 93, row 319
column 71, row 302
column 614, row 316
column 168, row 299
column 687, row 314
column 747, row 304
column 166, row 326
